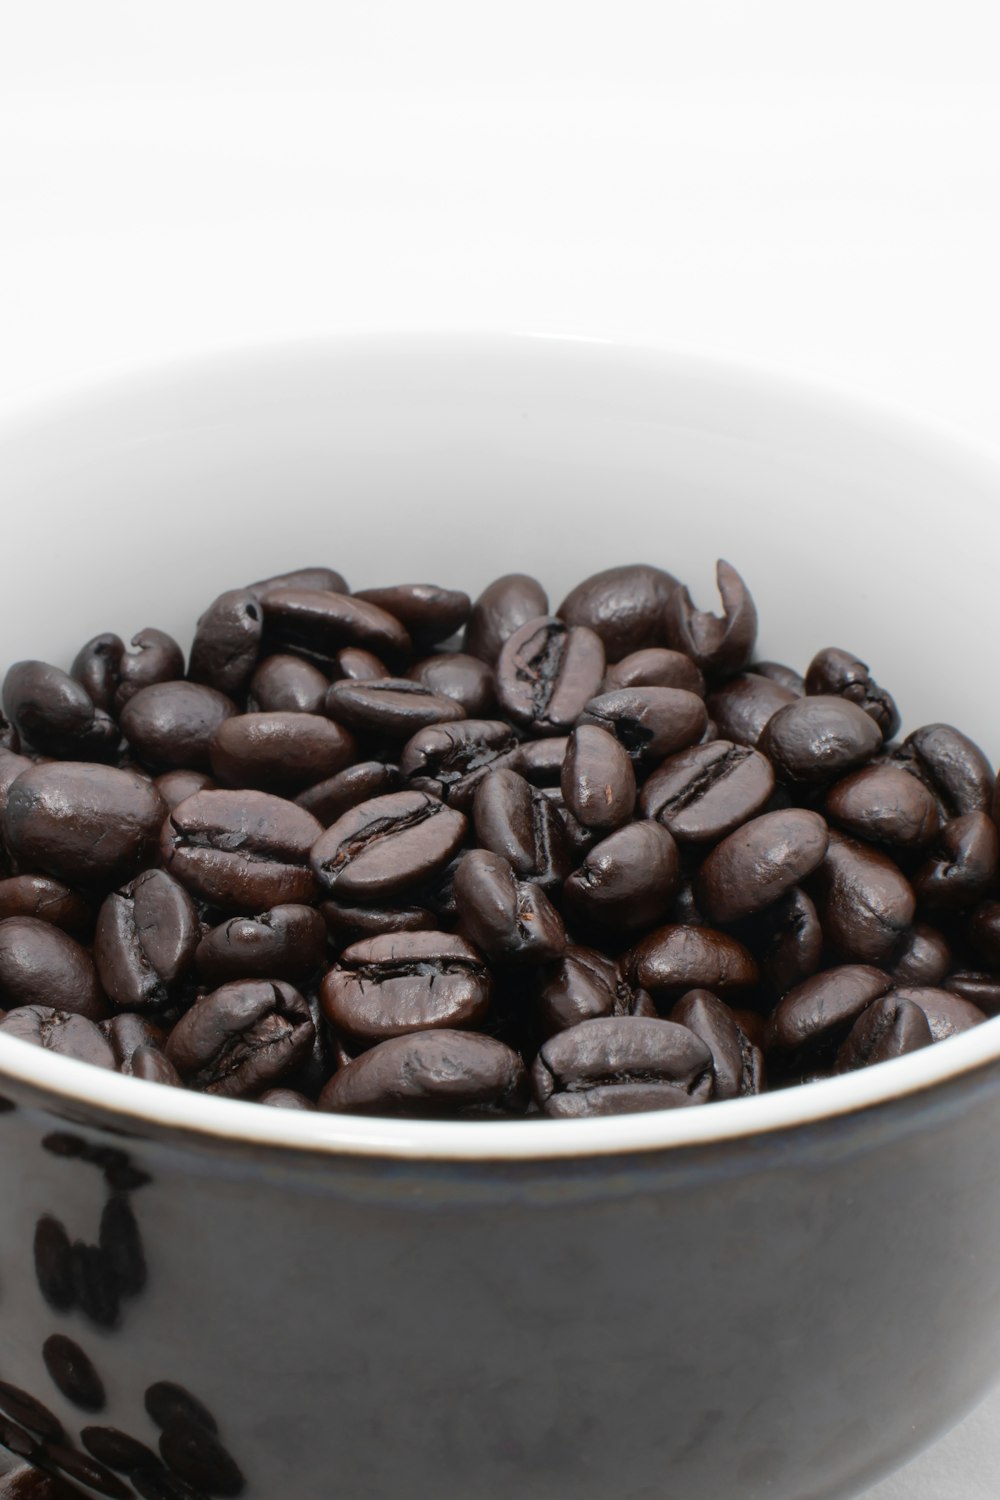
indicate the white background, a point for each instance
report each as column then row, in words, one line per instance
column 806, row 185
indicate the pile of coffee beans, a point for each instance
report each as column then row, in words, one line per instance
column 396, row 852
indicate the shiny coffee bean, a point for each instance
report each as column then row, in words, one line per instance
column 515, row 820
column 156, row 657
column 154, row 1066
column 126, row 1033
column 279, row 752
column 547, row 672
column 793, row 941
column 95, row 668
column 737, row 1065
column 227, row 642
column 649, row 722
column 755, row 866
column 83, row 823
column 285, row 1099
column 885, row 805
column 865, row 903
column 776, row 671
column 466, row 679
column 612, row 1065
column 323, row 580
column 287, row 685
column 11, row 767
column 197, row 1456
column 41, row 965
column 703, row 793
column 624, row 606
column 145, row 941
column 814, row 1018
column 598, row 782
column 436, row 1073
column 924, row 957
column 743, row 706
column 981, row 990
column 59, row 1031
column 579, row 839
column 242, row 851
column 73, row 1372
column 349, row 924
column 503, row 607
column 384, row 845
column 715, row 645
column 451, row 760
column 394, row 707
column 242, row 1037
column 329, row 800
column 582, row 985
column 837, row 672
column 655, row 666
column 54, row 715
column 962, row 866
column 509, row 920
column 815, row 740
column 287, row 942
column 47, row 899
column 176, row 786
column 947, row 1014
column 890, row 1027
column 983, row 928
column 29, row 1412
column 317, row 624
column 403, row 982
column 627, row 881
column 170, row 725
column 430, row 614
column 355, row 664
column 541, row 761
column 952, row 765
column 676, row 959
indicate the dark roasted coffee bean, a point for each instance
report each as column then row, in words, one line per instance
column 815, row 740
column 510, row 920
column 980, row 990
column 42, row 966
column 885, row 805
column 455, row 675
column 503, row 607
column 317, row 624
column 84, row 1471
column 227, row 642
column 737, row 1065
column 170, row 725
column 924, row 957
column 430, row 614
column 145, row 940
column 285, row 1099
column 517, row 821
column 655, row 666
column 47, row 899
column 655, row 1064
column 159, row 1484
column 384, row 845
column 117, row 1450
column 357, row 665
column 166, row 1402
column 581, row 986
column 95, row 668
column 83, row 823
column 624, row 606
column 154, row 1066
column 242, row 1037
column 431, row 1073
column 176, row 786
column 55, row 715
column 73, row 1372
column 955, row 768
column 675, row 959
column 598, row 783
column 837, row 672
column 54, row 1263
column 793, row 941
column 743, row 706
column 324, row 580
column 156, row 658
column 126, row 1033
column 121, row 1245
column 349, row 924
column 755, row 866
column 889, row 1028
column 704, row 793
column 11, row 767
column 28, row 1412
column 394, row 707
column 947, row 1014
column 279, row 752
column 864, row 901
column 649, row 722
column 287, row 942
column 962, row 866
column 547, row 672
column 242, row 851
column 715, row 645
column 329, row 800
column 983, row 927
column 59, row 1031
column 776, row 671
column 628, row 880
column 286, row 684
column 579, row 839
column 541, row 761
column 198, row 1457
column 402, row 982
column 451, row 760
column 814, row 1018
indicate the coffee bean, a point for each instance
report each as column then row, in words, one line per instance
column 170, row 725
column 627, row 881
column 285, row 1099
column 242, row 851
column 436, row 1073
column 323, row 580
column 776, row 671
column 42, row 966
column 198, row 1457
column 95, row 668
column 889, row 1028
column 429, row 613
column 402, row 982
column 743, row 706
column 755, row 866
column 47, row 899
column 54, row 715
column 649, row 722
column 924, row 957
column 715, row 645
column 885, row 805
column 516, row 821
column 598, row 783
column 613, row 1064
column 455, row 675
column 624, row 606
column 509, row 920
column 980, row 990
column 166, row 1403
column 676, row 959
column 947, row 1014
column 451, row 760
column 54, row 1264
column 28, row 1412
column 954, row 768
column 654, row 666
column 242, row 1037
column 963, row 865
column 815, row 1017
column 737, row 1065
column 73, row 1372
column 541, row 761
column 349, row 924
column 385, row 845
column 582, row 985
column 356, row 664
column 287, row 942
column 279, row 752
column 145, row 940
column 983, row 928
column 121, row 1245
column 285, row 684
column 11, row 767
column 156, row 658
column 503, row 607
column 227, row 642
column 159, row 1484
column 317, row 624
column 837, row 672
column 176, row 786
column 547, row 672
column 394, row 707
column 793, row 941
column 329, row 800
column 815, row 740
column 864, row 901
column 126, row 1034
column 117, row 1450
column 83, row 823
column 703, row 793
column 151, row 1064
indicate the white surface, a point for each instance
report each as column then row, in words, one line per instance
column 811, row 187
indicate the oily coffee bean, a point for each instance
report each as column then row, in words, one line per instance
column 582, row 985
column 47, row 899
column 954, row 768
column 541, row 761
column 654, row 666
column 776, row 671
column 145, row 940
column 430, row 614
column 612, row 1064
column 703, row 793
column 73, row 1372
column 837, row 672
column 517, row 821
column 673, row 960
column 170, row 725
column 317, row 624
column 126, row 1033
column 43, row 966
column 54, row 715
column 715, row 645
column 329, row 800
column 962, row 867
column 386, row 844
column 813, row 1019
column 924, row 958
column 547, row 672
column 627, row 881
column 947, row 1014
column 394, row 707
column 503, row 607
column 649, row 722
column 598, row 782
column 156, row 658
column 197, row 1456
column 286, row 684
column 509, row 920
column 890, row 1027
column 743, row 706
column 401, row 982
column 737, row 1065
column 279, row 752
column 980, row 990
column 59, row 1031
column 453, row 674
column 95, row 668
column 287, row 942
column 227, row 642
column 154, row 1066
column 431, row 1073
column 815, row 740
column 885, row 805
column 624, row 606
column 11, row 767
column 242, row 851
column 865, row 903
column 242, row 1037
column 348, row 924
column 83, row 823
column 755, row 866
column 324, row 580
column 285, row 1099
column 793, row 941
column 176, row 786
column 357, row 665
column 451, row 760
